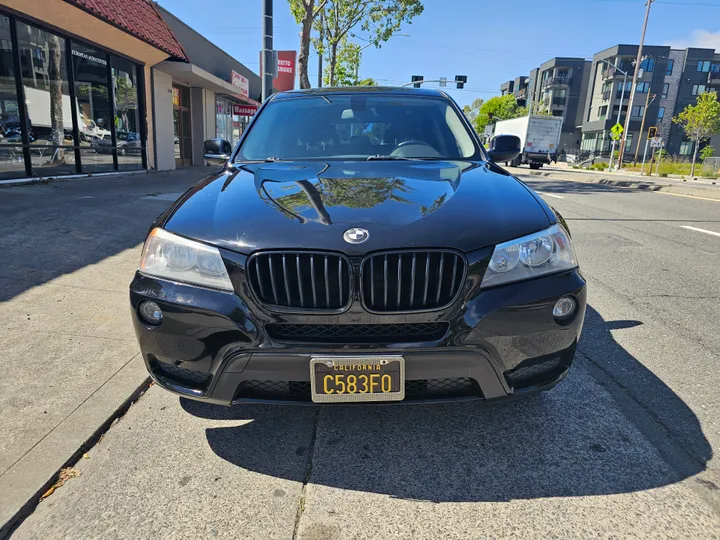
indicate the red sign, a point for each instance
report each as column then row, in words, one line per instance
column 244, row 110
column 241, row 83
column 285, row 79
column 286, row 71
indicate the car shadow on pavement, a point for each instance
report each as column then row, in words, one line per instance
column 572, row 441
column 568, row 186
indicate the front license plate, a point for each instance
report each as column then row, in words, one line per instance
column 336, row 379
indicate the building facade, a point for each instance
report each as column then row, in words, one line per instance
column 91, row 87
column 670, row 80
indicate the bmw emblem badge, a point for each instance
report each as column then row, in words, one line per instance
column 356, row 235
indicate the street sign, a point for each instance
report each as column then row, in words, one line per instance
column 443, row 82
column 417, row 79
column 460, row 80
column 656, row 142
column 652, row 132
column 616, row 131
column 488, row 131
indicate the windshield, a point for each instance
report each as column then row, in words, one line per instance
column 359, row 126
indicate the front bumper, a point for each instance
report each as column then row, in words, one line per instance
column 213, row 346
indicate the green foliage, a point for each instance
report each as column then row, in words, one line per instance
column 501, row 107
column 707, row 152
column 542, row 111
column 367, row 82
column 379, row 19
column 599, row 166
column 472, row 110
column 700, row 121
column 347, row 62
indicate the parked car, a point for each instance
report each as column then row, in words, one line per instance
column 128, row 142
column 358, row 245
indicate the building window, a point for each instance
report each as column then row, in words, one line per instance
column 563, row 74
column 637, row 110
column 642, row 87
column 703, row 66
column 686, row 148
column 669, row 68
column 619, row 93
column 698, row 89
column 666, row 89
column 648, row 64
column 661, row 113
column 628, row 142
column 12, row 163
column 602, row 113
column 128, row 139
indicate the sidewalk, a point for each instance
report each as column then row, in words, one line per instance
column 68, row 349
column 703, row 187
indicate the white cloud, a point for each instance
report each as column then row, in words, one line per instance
column 702, row 39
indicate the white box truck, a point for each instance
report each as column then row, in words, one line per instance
column 539, row 138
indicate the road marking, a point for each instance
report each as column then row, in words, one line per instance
column 550, row 195
column 699, row 230
column 688, row 196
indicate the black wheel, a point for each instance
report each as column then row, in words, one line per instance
column 516, row 162
column 122, row 151
column 535, row 166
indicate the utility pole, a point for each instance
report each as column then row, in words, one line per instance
column 634, row 84
column 648, row 101
column 267, row 53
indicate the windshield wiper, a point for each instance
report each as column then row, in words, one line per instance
column 379, row 157
column 272, row 159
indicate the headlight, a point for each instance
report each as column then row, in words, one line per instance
column 546, row 252
column 172, row 257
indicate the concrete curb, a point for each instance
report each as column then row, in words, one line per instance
column 691, row 191
column 27, row 480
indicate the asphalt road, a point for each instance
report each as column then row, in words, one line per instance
column 623, row 448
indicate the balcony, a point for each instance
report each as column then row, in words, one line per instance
column 558, row 102
column 714, row 78
column 556, row 81
column 612, row 73
column 521, row 94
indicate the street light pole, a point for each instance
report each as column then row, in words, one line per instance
column 622, row 98
column 267, row 53
column 638, row 61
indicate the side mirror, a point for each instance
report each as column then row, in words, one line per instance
column 504, row 148
column 217, row 151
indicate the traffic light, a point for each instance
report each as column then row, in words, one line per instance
column 461, row 80
column 652, row 132
column 417, row 78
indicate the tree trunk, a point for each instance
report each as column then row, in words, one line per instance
column 57, row 131
column 695, row 153
column 333, row 63
column 304, row 55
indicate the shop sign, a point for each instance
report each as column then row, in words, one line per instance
column 176, row 96
column 244, row 110
column 89, row 57
column 241, row 83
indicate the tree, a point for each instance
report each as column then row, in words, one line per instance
column 707, row 152
column 305, row 13
column 700, row 121
column 346, row 66
column 367, row 82
column 472, row 110
column 501, row 108
column 542, row 111
column 57, row 129
column 379, row 18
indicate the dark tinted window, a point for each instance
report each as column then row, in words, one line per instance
column 356, row 127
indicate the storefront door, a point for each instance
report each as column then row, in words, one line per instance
column 181, row 126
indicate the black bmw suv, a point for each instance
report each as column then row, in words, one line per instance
column 359, row 244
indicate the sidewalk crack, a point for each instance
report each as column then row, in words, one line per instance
column 308, row 475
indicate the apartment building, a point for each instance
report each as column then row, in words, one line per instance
column 669, row 80
column 561, row 90
column 520, row 90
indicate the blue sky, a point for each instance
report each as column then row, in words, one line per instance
column 490, row 42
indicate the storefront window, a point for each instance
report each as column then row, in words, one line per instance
column 12, row 163
column 128, row 145
column 182, row 126
column 228, row 125
column 94, row 116
column 47, row 98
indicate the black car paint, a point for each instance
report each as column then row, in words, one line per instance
column 468, row 205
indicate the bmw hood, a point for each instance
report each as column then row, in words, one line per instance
column 401, row 204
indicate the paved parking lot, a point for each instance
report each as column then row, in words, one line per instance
column 623, row 448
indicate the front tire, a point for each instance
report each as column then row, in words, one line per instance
column 535, row 166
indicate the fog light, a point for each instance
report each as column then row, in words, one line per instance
column 150, row 312
column 564, row 307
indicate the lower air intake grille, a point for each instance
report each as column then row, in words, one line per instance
column 535, row 373
column 186, row 377
column 418, row 389
column 411, row 281
column 357, row 333
column 301, row 280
